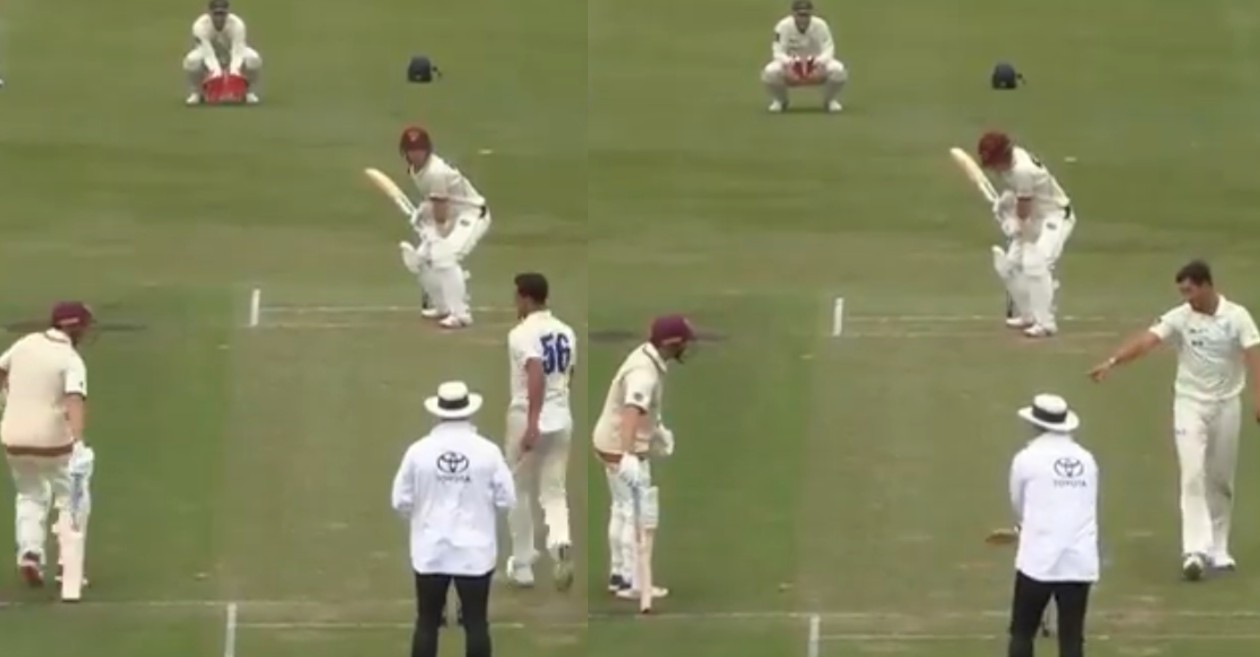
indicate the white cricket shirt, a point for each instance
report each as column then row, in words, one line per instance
column 438, row 180
column 1210, row 364
column 542, row 337
column 791, row 43
column 449, row 487
column 43, row 369
column 640, row 382
column 1054, row 493
column 1028, row 178
column 228, row 44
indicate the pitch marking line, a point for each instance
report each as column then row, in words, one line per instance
column 255, row 307
column 299, row 309
column 893, row 637
column 229, row 631
column 1146, row 615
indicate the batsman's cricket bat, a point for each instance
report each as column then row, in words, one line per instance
column 73, row 543
column 974, row 173
column 390, row 189
column 646, row 516
column 72, row 524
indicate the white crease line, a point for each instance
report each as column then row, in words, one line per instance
column 893, row 637
column 995, row 317
column 349, row 625
column 972, row 335
column 815, row 635
column 229, row 631
column 255, row 307
column 1134, row 614
column 298, row 309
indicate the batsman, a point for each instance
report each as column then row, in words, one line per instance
column 628, row 434
column 1036, row 215
column 45, row 383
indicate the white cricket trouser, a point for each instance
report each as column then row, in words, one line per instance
column 196, row 69
column 195, row 62
column 545, row 468
column 622, row 533
column 41, row 482
column 1207, row 450
column 469, row 228
column 775, row 77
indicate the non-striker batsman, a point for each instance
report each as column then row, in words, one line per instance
column 45, row 381
column 629, row 432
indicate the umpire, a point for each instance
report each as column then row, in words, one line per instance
column 1054, row 492
column 449, row 487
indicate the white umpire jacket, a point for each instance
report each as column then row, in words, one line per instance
column 1054, row 492
column 449, row 487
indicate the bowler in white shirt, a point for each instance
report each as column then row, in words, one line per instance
column 1054, row 494
column 542, row 352
column 449, row 488
column 1218, row 348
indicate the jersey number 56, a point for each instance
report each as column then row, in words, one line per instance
column 557, row 353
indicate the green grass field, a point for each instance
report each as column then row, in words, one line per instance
column 829, row 495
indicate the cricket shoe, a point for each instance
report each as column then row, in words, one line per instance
column 1223, row 563
column 519, row 574
column 429, row 312
column 1038, row 331
column 31, row 567
column 193, row 99
column 1018, row 323
column 451, row 322
column 562, row 575
column 252, row 99
column 617, row 583
column 834, row 107
column 777, row 107
column 1192, row 568
column 632, row 593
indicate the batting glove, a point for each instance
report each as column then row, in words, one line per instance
column 629, row 470
column 663, row 442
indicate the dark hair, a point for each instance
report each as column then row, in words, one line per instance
column 532, row 286
column 1195, row 271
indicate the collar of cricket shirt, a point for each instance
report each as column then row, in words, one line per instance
column 654, row 355
column 452, row 427
column 57, row 335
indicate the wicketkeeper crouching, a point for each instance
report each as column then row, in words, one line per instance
column 45, row 381
column 804, row 56
column 221, row 60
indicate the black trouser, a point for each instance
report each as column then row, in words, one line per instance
column 474, row 600
column 1029, row 605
